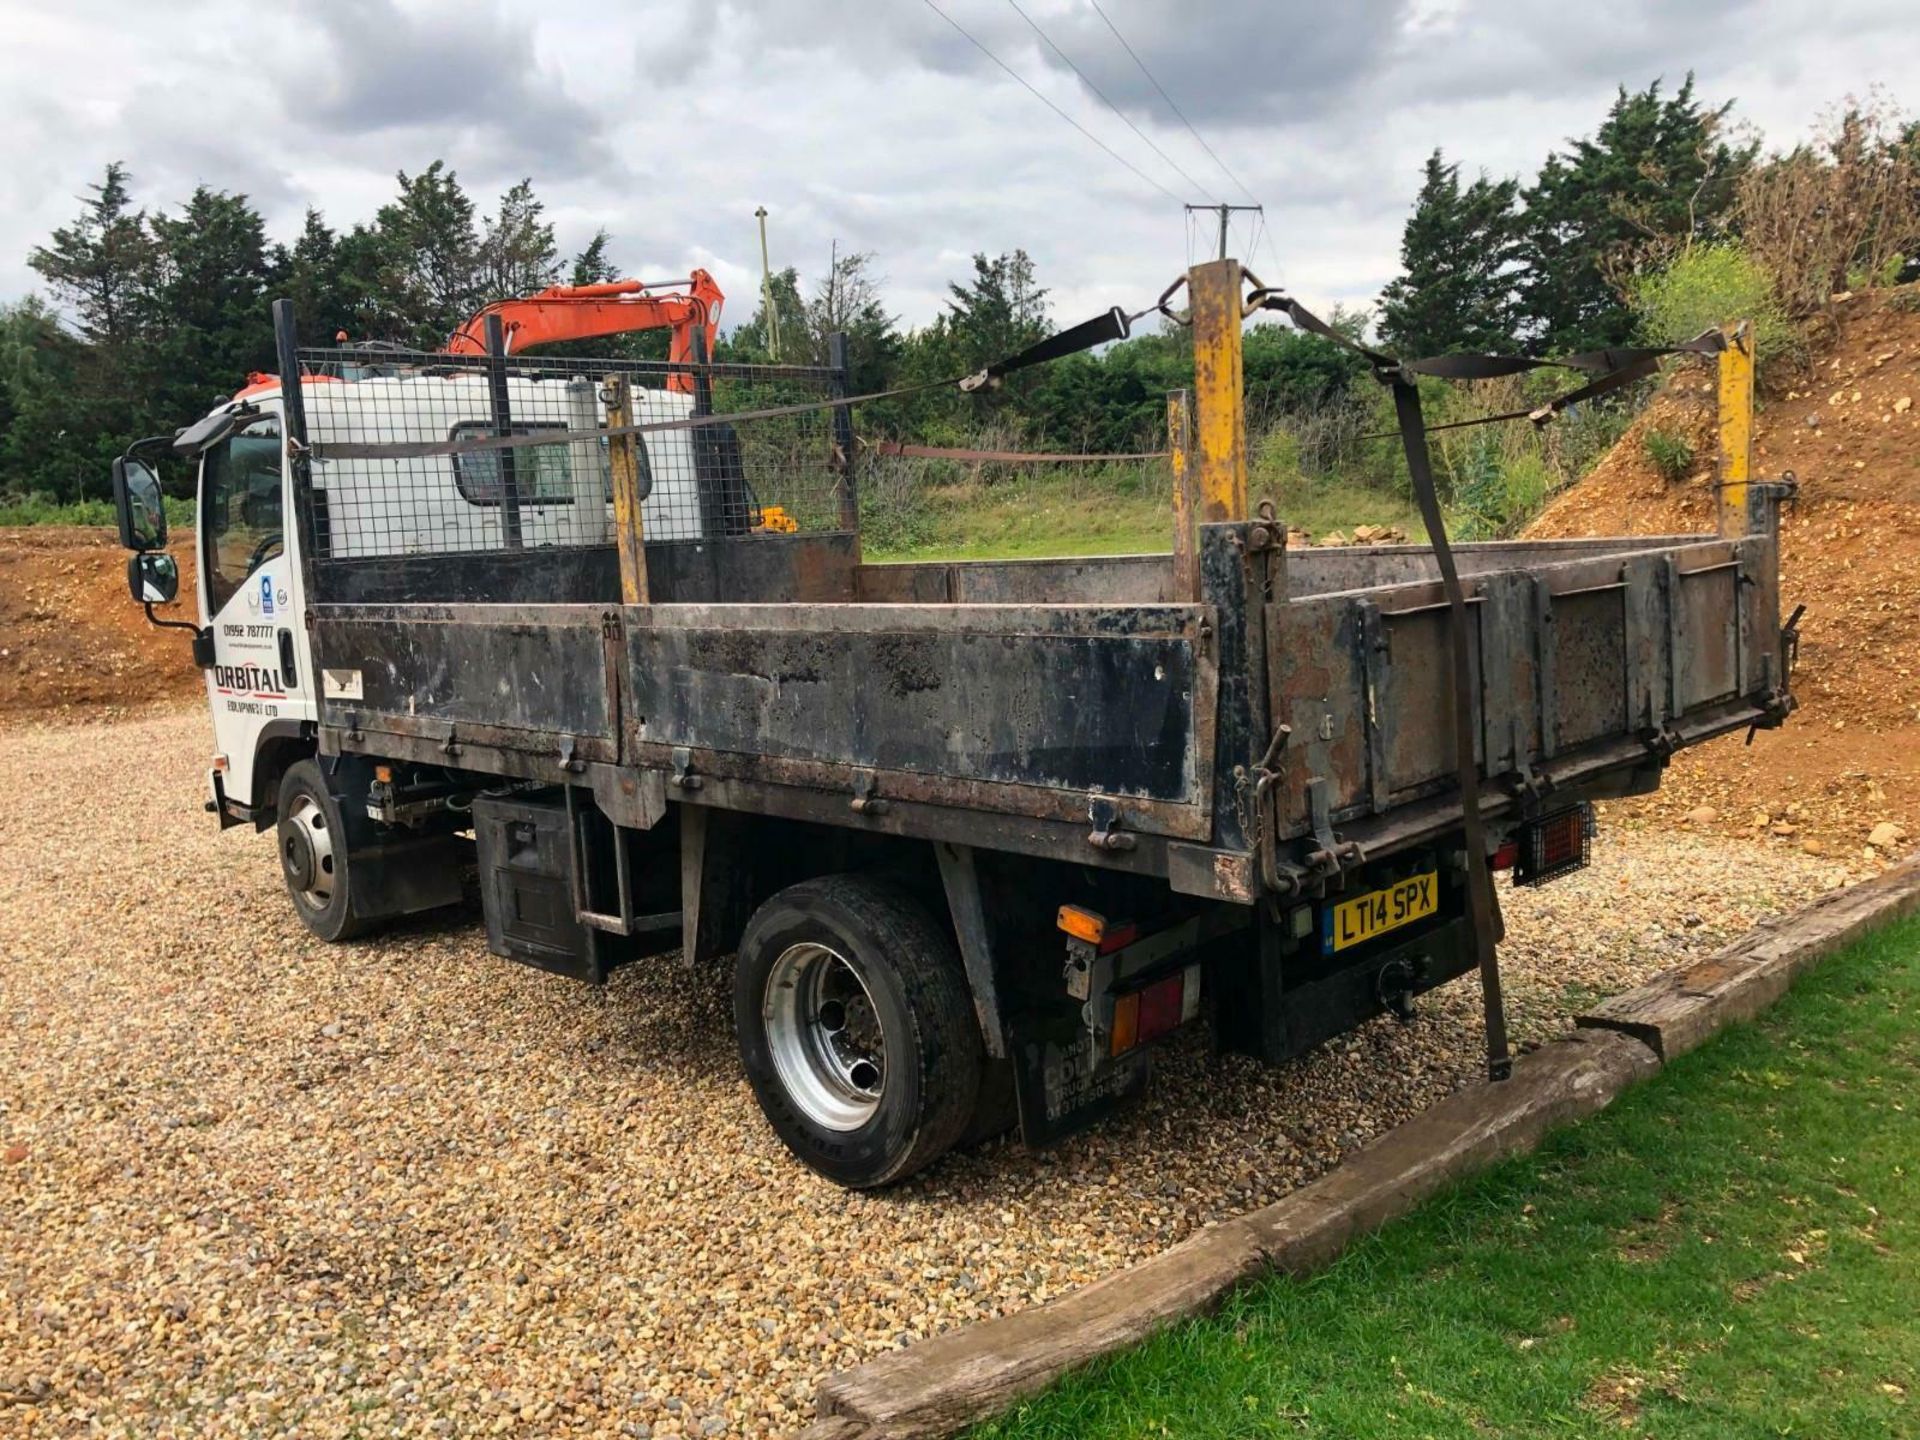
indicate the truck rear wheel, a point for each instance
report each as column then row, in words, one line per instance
column 856, row 1029
column 316, row 853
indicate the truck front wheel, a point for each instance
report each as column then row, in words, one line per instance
column 856, row 1029
column 316, row 853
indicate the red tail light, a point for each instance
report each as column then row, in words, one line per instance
column 1157, row 1010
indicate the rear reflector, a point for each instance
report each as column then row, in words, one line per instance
column 1506, row 857
column 1082, row 924
column 1554, row 845
column 1087, row 925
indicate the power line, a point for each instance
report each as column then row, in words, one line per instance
column 1145, row 139
column 1049, row 104
column 1169, row 99
column 1263, row 231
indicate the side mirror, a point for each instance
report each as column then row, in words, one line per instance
column 153, row 577
column 138, row 506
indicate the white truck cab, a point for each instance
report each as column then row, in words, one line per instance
column 252, row 639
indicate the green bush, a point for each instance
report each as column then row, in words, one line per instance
column 1498, row 491
column 1672, row 455
column 1714, row 285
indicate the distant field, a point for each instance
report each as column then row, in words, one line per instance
column 1112, row 511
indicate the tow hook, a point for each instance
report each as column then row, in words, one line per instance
column 1395, row 984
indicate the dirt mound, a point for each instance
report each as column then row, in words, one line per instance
column 1848, row 427
column 71, row 641
column 1625, row 494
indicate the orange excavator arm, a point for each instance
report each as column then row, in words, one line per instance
column 587, row 312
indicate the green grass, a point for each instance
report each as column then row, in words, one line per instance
column 18, row 510
column 1116, row 510
column 1731, row 1250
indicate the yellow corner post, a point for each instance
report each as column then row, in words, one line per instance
column 1220, row 419
column 1186, row 552
column 627, row 530
column 1736, row 429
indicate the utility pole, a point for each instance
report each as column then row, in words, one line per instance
column 1225, row 211
column 766, row 289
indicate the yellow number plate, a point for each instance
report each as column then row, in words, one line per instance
column 1356, row 921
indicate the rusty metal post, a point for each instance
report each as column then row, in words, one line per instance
column 1735, row 431
column 622, row 455
column 1220, row 418
column 1186, row 540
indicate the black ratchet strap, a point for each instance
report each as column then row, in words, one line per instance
column 1114, row 325
column 1611, row 370
column 1489, row 927
column 1642, row 358
column 1546, row 410
column 1483, row 906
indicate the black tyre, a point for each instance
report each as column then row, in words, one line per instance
column 856, row 1029
column 316, row 853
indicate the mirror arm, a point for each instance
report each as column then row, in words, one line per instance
column 155, row 621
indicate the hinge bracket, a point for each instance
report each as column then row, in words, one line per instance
column 682, row 776
column 1106, row 833
column 866, row 799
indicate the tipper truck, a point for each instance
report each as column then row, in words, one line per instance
column 597, row 638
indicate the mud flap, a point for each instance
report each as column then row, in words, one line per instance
column 1059, row 1091
column 409, row 875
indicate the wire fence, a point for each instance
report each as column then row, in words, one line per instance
column 422, row 453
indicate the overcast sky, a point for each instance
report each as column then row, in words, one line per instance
column 875, row 123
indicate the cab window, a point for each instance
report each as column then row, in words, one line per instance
column 543, row 474
column 240, row 507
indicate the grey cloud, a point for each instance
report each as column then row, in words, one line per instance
column 1235, row 62
column 1502, row 49
column 872, row 123
column 469, row 72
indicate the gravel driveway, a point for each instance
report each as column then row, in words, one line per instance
column 252, row 1184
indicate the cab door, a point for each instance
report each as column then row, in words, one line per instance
column 251, row 600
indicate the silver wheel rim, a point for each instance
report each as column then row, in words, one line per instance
column 309, row 822
column 824, row 1035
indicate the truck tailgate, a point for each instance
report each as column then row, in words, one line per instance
column 1574, row 663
